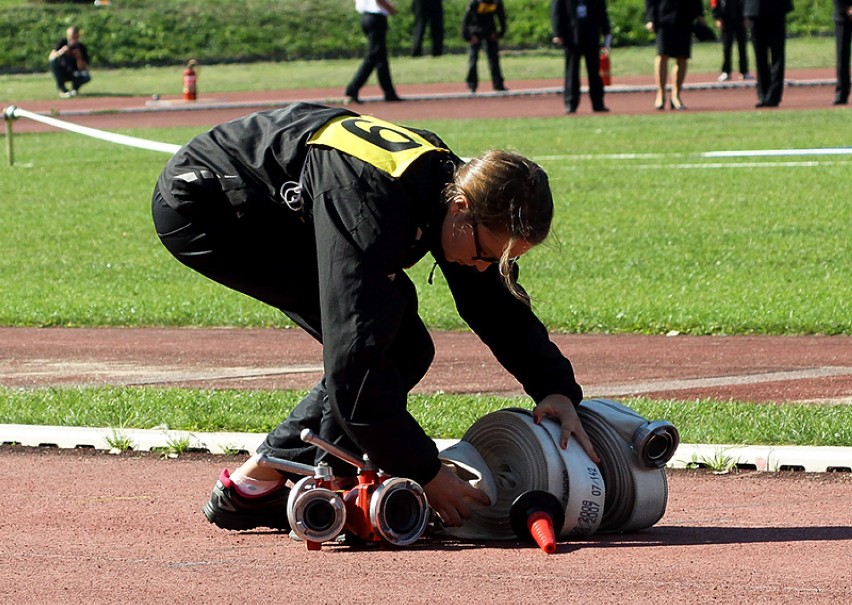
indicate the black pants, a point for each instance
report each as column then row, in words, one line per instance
column 431, row 13
column 267, row 253
column 573, row 55
column 492, row 51
column 61, row 75
column 768, row 38
column 734, row 31
column 375, row 26
column 843, row 40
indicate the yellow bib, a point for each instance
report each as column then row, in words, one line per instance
column 386, row 146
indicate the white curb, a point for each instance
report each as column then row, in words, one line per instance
column 752, row 457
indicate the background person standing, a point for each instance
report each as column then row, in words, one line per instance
column 672, row 21
column 374, row 23
column 730, row 21
column 578, row 26
column 431, row 13
column 484, row 21
column 768, row 23
column 843, row 40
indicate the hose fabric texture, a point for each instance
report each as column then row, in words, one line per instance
column 506, row 454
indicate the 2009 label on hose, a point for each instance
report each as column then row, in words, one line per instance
column 386, row 146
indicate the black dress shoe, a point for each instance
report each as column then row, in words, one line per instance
column 601, row 109
column 766, row 104
column 840, row 101
column 393, row 99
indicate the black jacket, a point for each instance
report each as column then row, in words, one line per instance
column 368, row 226
column 483, row 18
column 840, row 8
column 726, row 10
column 766, row 8
column 579, row 28
column 673, row 12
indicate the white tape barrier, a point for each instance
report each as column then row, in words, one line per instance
column 13, row 112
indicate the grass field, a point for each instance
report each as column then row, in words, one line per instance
column 666, row 241
column 802, row 53
column 670, row 242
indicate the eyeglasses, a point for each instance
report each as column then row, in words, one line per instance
column 479, row 256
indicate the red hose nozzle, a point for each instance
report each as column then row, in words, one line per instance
column 538, row 516
column 540, row 526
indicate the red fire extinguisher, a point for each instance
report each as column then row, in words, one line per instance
column 606, row 75
column 190, row 82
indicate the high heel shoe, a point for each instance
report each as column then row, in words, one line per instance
column 660, row 104
column 677, row 107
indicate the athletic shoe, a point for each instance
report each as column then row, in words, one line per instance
column 65, row 94
column 232, row 510
column 724, row 77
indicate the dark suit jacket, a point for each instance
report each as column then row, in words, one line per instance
column 580, row 32
column 673, row 12
column 767, row 8
column 840, row 8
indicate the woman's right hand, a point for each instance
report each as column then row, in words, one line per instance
column 452, row 497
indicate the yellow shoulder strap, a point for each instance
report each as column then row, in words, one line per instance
column 386, row 146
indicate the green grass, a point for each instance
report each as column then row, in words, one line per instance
column 630, row 61
column 652, row 244
column 647, row 245
column 441, row 415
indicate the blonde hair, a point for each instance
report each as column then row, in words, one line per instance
column 506, row 193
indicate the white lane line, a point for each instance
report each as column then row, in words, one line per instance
column 720, row 381
column 133, row 374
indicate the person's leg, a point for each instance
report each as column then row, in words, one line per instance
column 571, row 92
column 742, row 47
column 79, row 78
column 472, row 78
column 202, row 230
column 592, row 57
column 678, row 77
column 436, row 28
column 378, row 43
column 369, row 25
column 761, row 59
column 661, row 66
column 492, row 50
column 419, row 29
column 59, row 76
column 728, row 36
column 843, row 37
column 777, row 51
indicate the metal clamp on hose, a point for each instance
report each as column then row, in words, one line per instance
column 633, row 453
column 316, row 514
column 378, row 508
column 399, row 511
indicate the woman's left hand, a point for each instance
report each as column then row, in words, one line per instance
column 561, row 409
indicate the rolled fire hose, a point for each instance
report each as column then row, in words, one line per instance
column 513, row 455
column 506, row 454
column 633, row 454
